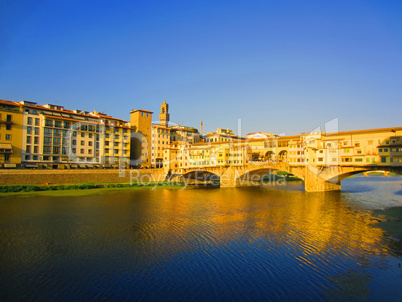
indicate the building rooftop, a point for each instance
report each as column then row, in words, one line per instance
column 141, row 110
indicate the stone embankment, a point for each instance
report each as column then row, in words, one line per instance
column 42, row 177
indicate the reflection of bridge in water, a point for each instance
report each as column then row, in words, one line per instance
column 316, row 178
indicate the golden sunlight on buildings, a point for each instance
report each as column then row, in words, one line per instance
column 10, row 134
column 50, row 136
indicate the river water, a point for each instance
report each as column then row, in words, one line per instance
column 203, row 244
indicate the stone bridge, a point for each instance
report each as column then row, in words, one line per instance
column 316, row 178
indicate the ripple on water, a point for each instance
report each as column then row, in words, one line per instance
column 228, row 244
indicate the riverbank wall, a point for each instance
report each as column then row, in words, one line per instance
column 43, row 177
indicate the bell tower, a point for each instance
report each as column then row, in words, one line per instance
column 164, row 116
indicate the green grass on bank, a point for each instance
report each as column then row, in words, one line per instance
column 83, row 186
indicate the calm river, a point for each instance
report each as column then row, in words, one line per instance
column 199, row 244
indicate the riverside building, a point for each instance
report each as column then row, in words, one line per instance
column 10, row 134
column 153, row 138
column 54, row 137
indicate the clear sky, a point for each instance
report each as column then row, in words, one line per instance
column 280, row 66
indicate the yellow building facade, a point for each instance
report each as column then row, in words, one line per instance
column 141, row 127
column 50, row 136
column 11, row 123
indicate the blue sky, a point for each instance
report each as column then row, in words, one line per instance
column 280, row 66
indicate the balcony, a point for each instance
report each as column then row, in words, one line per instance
column 6, row 122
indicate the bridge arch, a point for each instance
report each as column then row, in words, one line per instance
column 338, row 178
column 283, row 156
column 201, row 175
column 364, row 171
column 269, row 156
column 253, row 175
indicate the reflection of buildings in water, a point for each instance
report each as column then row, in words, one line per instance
column 148, row 226
column 312, row 223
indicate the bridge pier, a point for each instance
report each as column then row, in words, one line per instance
column 228, row 178
column 315, row 183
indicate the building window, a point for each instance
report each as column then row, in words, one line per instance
column 35, row 149
column 383, row 159
column 82, row 143
column 28, row 149
column 36, row 131
column 46, row 158
column 36, row 122
column 81, row 151
column 29, row 130
column 82, row 134
column 27, row 157
column 48, row 123
column 29, row 121
column 8, row 137
column 28, row 139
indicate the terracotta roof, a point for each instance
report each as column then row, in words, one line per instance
column 70, row 119
column 277, row 138
column 364, row 131
column 10, row 103
column 107, row 117
column 40, row 107
column 183, row 128
column 143, row 110
column 160, row 126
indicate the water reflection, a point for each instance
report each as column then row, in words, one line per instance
column 233, row 244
